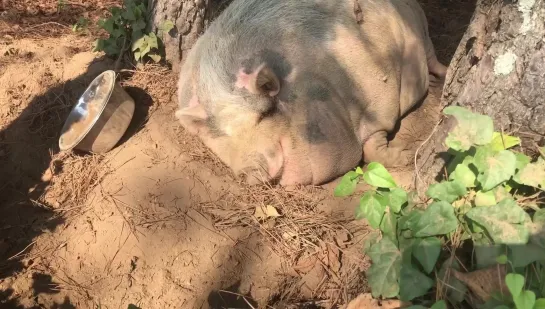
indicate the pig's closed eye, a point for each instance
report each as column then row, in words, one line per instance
column 273, row 108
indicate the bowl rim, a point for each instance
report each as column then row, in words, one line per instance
column 101, row 110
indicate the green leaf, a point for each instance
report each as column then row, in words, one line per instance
column 397, row 198
column 416, row 307
column 107, row 25
column 533, row 174
column 515, row 284
column 413, row 283
column 540, row 304
column 485, row 198
column 359, row 171
column 155, row 57
column 371, row 208
column 139, row 24
column 447, row 191
column 471, row 129
column 347, row 185
column 136, row 35
column 504, row 222
column 129, row 14
column 152, row 40
column 526, row 300
column 503, row 141
column 502, row 307
column 132, row 306
column 383, row 274
column 137, row 55
column 139, row 44
column 410, row 220
column 522, row 160
column 99, row 45
column 502, row 259
column 455, row 288
column 426, row 251
column 523, row 255
column 437, row 219
column 371, row 239
column 166, row 26
column 463, row 175
column 377, row 176
column 487, row 253
column 388, row 225
column 495, row 168
column 439, row 305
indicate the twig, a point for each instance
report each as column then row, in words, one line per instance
column 21, row 252
column 416, row 170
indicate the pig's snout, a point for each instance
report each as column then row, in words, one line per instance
column 266, row 167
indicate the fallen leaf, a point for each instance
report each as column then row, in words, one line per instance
column 485, row 281
column 366, row 301
column 264, row 212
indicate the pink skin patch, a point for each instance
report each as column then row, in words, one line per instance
column 244, row 80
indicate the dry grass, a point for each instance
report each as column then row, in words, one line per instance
column 298, row 232
column 73, row 179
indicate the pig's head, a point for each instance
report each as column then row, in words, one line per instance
column 265, row 124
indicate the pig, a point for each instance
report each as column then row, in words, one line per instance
column 299, row 92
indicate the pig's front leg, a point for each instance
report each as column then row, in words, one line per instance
column 376, row 149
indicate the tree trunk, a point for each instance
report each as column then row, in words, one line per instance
column 497, row 70
column 190, row 18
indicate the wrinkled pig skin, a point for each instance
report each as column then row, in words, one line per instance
column 300, row 91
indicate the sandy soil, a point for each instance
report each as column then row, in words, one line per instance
column 157, row 222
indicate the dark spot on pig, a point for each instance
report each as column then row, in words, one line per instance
column 277, row 62
column 271, row 153
column 319, row 93
column 287, row 95
column 312, row 132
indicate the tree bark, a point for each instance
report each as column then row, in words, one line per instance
column 190, row 18
column 497, row 70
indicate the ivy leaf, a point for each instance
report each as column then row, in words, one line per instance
column 347, row 185
column 416, row 307
column 515, row 284
column 499, row 140
column 413, row 283
column 397, row 197
column 388, row 225
column 437, row 219
column 447, row 191
column 377, row 176
column 526, row 300
column 129, row 13
column 166, row 26
column 410, row 220
column 155, row 57
column 138, row 24
column 533, row 174
column 522, row 160
column 504, row 222
column 485, row 198
column 137, row 55
column 383, row 274
column 371, row 208
column 107, row 25
column 152, row 40
column 524, row 255
column 471, row 129
column 463, row 175
column 426, row 251
column 140, row 43
column 439, row 305
column 494, row 167
column 540, row 304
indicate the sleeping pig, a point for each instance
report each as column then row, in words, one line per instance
column 301, row 91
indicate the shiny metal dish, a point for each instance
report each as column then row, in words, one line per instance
column 100, row 117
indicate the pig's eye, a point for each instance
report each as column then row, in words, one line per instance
column 273, row 108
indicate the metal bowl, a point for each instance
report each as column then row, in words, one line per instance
column 100, row 118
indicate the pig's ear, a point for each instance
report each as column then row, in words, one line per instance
column 262, row 81
column 193, row 118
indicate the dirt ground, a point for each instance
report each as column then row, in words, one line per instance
column 158, row 222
